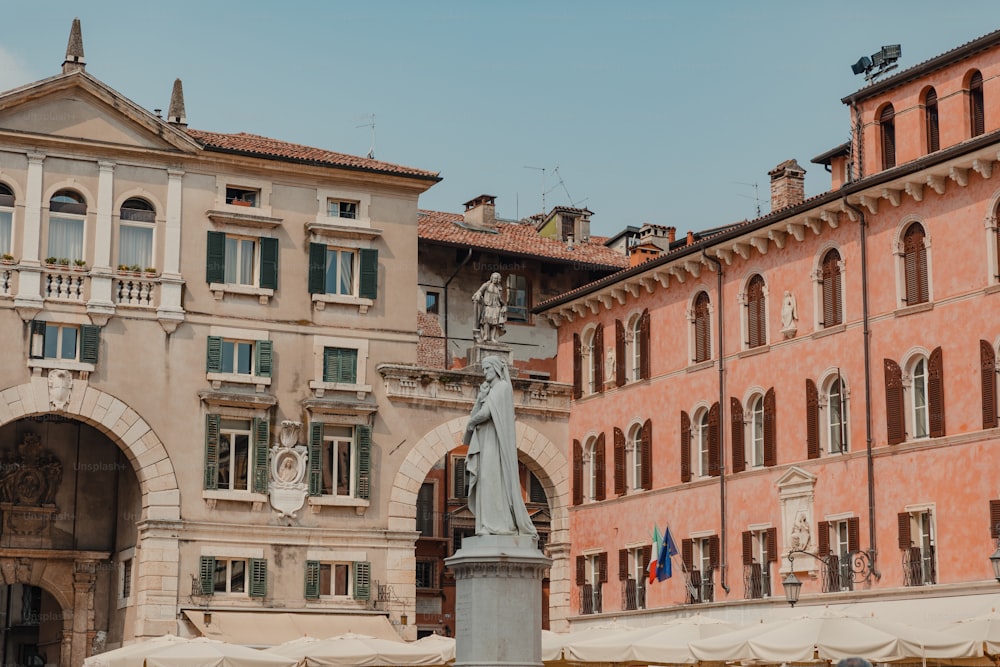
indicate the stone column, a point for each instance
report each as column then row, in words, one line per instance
column 100, row 306
column 170, row 312
column 498, row 608
column 29, row 291
column 84, row 576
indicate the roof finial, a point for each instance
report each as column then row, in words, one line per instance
column 74, row 50
column 175, row 114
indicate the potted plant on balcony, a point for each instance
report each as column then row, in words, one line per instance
column 150, row 271
column 51, row 261
column 7, row 258
column 63, row 262
column 79, row 265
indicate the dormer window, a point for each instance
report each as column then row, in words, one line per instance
column 242, row 196
column 339, row 208
column 567, row 229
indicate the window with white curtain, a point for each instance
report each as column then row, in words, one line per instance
column 67, row 212
column 6, row 218
column 135, row 234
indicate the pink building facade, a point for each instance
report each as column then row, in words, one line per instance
column 822, row 379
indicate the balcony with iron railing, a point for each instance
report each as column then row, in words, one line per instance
column 919, row 566
column 633, row 594
column 757, row 581
column 590, row 599
column 699, row 589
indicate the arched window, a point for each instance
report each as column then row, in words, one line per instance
column 915, row 405
column 702, row 443
column 915, row 265
column 6, row 218
column 755, row 412
column 931, row 120
column 918, row 398
column 702, row 328
column 67, row 212
column 639, row 460
column 836, row 416
column 635, row 358
column 833, row 289
column 756, row 313
column 135, row 234
column 593, row 360
column 594, row 467
column 887, row 127
column 977, row 116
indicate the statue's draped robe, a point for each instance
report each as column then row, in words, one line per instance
column 491, row 468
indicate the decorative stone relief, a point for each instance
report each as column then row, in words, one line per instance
column 60, row 388
column 288, row 489
column 796, row 494
column 789, row 315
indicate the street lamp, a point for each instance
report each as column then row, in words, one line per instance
column 862, row 569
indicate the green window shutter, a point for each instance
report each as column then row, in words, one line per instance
column 317, row 268
column 206, row 575
column 258, row 577
column 364, row 435
column 261, row 438
column 269, row 263
column 37, row 329
column 368, row 274
column 348, row 366
column 312, row 580
column 262, row 364
column 213, row 360
column 90, row 343
column 213, row 424
column 362, row 580
column 315, row 459
column 331, row 364
column 215, row 266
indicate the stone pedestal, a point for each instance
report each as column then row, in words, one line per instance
column 480, row 351
column 498, row 610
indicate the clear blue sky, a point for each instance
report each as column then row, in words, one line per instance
column 653, row 111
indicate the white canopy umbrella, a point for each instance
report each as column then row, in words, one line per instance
column 352, row 650
column 664, row 643
column 132, row 655
column 204, row 652
column 984, row 628
column 444, row 645
column 831, row 636
column 552, row 645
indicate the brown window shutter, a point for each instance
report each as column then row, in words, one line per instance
column 646, row 442
column 853, row 534
column 772, row 545
column 770, row 429
column 915, row 265
column 599, row 470
column 737, row 431
column 931, row 118
column 995, row 519
column 577, row 473
column 619, row 436
column 644, row 345
column 988, row 361
column 685, row 447
column 747, row 548
column 903, row 520
column 756, row 318
column 713, row 441
column 823, row 538
column 832, row 289
column 647, row 554
column 812, row 420
column 702, row 331
column 895, row 424
column 602, row 567
column 620, row 362
column 581, row 570
column 577, row 366
column 976, row 105
column 935, row 393
column 622, row 564
column 597, row 358
column 887, row 125
column 687, row 554
column 713, row 551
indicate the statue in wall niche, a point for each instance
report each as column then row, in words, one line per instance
column 491, row 475
column 60, row 388
column 491, row 310
column 789, row 314
column 609, row 364
column 801, row 534
column 288, row 488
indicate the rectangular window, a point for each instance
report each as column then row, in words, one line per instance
column 242, row 260
column 340, row 364
column 458, row 488
column 51, row 340
column 6, row 223
column 247, row 358
column 334, row 579
column 126, row 581
column 135, row 245
column 237, row 357
column 230, row 576
column 340, row 271
column 518, row 298
column 242, row 196
column 425, row 509
column 338, row 448
column 338, row 208
column 240, row 256
column 426, row 574
column 337, row 579
column 234, row 455
column 65, row 238
column 431, row 303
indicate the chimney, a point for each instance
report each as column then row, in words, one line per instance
column 74, row 50
column 690, row 238
column 787, row 185
column 643, row 252
column 671, row 235
column 481, row 212
column 175, row 115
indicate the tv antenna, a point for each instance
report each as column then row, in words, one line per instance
column 562, row 184
column 756, row 196
column 541, row 169
column 370, row 124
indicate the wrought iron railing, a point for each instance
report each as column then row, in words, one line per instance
column 633, row 594
column 700, row 588
column 919, row 566
column 590, row 599
column 757, row 581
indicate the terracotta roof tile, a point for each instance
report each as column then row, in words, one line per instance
column 254, row 144
column 515, row 238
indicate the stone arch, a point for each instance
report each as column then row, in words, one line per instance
column 543, row 458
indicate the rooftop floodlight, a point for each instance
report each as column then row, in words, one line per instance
column 891, row 52
column 878, row 59
column 862, row 65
